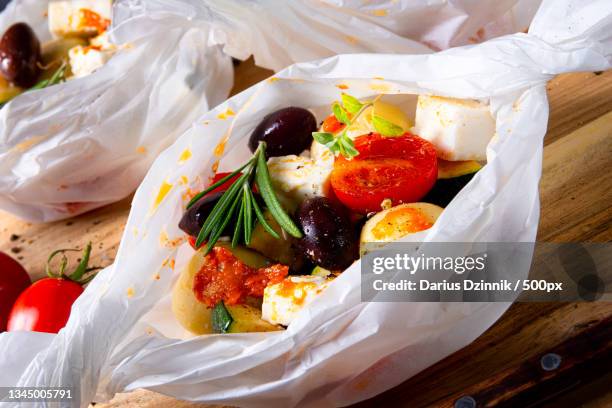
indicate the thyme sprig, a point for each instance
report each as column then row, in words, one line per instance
column 238, row 202
column 347, row 112
column 58, row 76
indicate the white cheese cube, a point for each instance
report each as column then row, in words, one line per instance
column 82, row 18
column 283, row 301
column 86, row 60
column 300, row 177
column 459, row 128
column 102, row 42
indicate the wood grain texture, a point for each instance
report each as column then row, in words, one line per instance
column 576, row 202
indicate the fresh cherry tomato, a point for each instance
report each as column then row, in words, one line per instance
column 402, row 169
column 13, row 280
column 44, row 306
column 332, row 125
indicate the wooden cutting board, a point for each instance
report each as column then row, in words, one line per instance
column 503, row 365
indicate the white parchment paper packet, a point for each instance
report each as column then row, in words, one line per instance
column 280, row 33
column 121, row 335
column 120, row 118
column 88, row 142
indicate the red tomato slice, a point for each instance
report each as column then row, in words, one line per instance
column 13, row 280
column 44, row 306
column 402, row 169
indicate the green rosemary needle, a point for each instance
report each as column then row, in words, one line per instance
column 239, row 203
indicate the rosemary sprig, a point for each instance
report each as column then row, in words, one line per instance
column 238, row 202
column 347, row 112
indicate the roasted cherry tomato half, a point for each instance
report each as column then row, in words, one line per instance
column 402, row 169
column 13, row 280
column 44, row 306
column 332, row 125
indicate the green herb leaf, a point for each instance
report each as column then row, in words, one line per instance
column 217, row 184
column 221, row 318
column 340, row 113
column 323, row 137
column 57, row 77
column 238, row 202
column 248, row 213
column 238, row 226
column 386, row 128
column 351, row 104
column 264, row 183
column 262, row 220
column 348, row 146
column 219, row 212
column 218, row 230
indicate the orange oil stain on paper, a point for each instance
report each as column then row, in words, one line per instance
column 186, row 155
column 167, row 242
column 27, row 144
column 224, row 115
column 164, row 189
column 380, row 12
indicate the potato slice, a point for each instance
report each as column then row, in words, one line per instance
column 400, row 221
column 8, row 91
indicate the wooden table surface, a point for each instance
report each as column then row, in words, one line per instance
column 497, row 368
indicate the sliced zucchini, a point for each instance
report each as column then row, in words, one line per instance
column 221, row 318
column 445, row 190
column 318, row 271
column 239, row 319
column 452, row 169
column 279, row 250
column 452, row 177
column 250, row 258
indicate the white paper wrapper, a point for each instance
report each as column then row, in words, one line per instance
column 88, row 142
column 279, row 33
column 122, row 336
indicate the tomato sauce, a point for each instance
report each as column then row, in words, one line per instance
column 223, row 277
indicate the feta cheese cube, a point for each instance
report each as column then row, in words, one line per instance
column 459, row 128
column 82, row 18
column 84, row 60
column 283, row 301
column 301, row 177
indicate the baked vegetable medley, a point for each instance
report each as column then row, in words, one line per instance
column 272, row 235
column 80, row 46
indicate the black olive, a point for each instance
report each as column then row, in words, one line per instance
column 195, row 216
column 286, row 131
column 20, row 55
column 329, row 238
